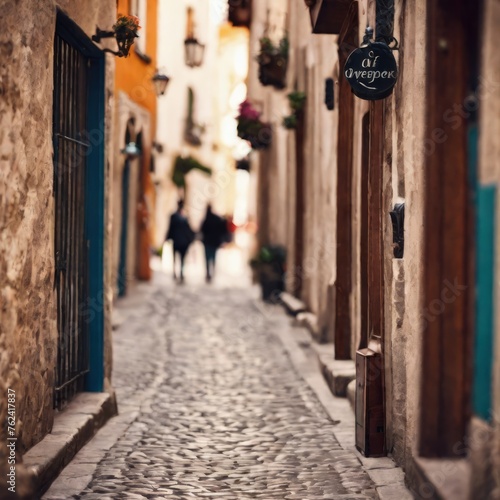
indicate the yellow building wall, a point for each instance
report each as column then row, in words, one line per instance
column 134, row 78
column 133, row 74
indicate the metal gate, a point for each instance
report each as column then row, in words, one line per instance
column 71, row 266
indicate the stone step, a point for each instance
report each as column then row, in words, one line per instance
column 338, row 373
column 73, row 428
column 292, row 304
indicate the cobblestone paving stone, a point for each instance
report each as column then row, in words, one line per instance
column 231, row 419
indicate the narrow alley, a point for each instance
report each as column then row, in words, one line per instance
column 223, row 412
column 250, row 249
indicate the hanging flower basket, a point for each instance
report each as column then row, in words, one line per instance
column 126, row 28
column 273, row 62
column 240, row 12
column 252, row 129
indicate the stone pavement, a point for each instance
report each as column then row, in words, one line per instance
column 210, row 407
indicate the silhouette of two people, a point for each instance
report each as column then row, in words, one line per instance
column 213, row 231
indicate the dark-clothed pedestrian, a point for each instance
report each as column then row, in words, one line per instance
column 181, row 234
column 214, row 234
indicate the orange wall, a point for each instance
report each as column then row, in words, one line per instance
column 133, row 74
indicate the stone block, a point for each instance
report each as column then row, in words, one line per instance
column 394, row 492
column 292, row 304
column 338, row 373
column 351, row 394
column 73, row 428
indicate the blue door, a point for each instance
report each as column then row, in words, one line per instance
column 122, row 266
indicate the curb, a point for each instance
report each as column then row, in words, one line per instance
column 72, row 429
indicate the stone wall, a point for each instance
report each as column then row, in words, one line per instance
column 28, row 329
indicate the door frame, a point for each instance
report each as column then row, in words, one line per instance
column 348, row 40
column 94, row 306
column 448, row 326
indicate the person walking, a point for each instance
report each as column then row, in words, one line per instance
column 180, row 232
column 214, row 233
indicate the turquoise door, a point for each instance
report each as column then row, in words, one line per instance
column 122, row 266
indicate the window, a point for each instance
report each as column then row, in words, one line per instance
column 139, row 8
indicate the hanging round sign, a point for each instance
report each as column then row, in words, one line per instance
column 371, row 71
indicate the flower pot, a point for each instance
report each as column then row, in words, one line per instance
column 272, row 281
column 125, row 38
column 259, row 134
column 240, row 12
column 272, row 71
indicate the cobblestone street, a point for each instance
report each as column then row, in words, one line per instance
column 223, row 413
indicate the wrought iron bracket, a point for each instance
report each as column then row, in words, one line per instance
column 123, row 45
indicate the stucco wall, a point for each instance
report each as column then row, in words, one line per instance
column 28, row 329
column 312, row 59
column 126, row 109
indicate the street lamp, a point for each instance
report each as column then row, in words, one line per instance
column 160, row 82
column 194, row 50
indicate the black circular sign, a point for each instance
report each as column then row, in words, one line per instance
column 371, row 71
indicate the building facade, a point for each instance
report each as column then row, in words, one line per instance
column 195, row 119
column 56, row 114
column 133, row 197
column 414, row 303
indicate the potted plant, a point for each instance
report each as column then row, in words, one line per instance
column 297, row 101
column 269, row 267
column 273, row 62
column 184, row 165
column 251, row 128
column 240, row 12
column 126, row 28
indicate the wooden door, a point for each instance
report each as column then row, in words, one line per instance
column 348, row 40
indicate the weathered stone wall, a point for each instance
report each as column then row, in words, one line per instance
column 28, row 329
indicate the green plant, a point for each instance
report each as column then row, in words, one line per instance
column 183, row 166
column 270, row 254
column 297, row 102
column 251, row 128
column 273, row 61
column 268, row 49
column 127, row 22
column 290, row 122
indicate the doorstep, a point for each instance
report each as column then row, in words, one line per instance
column 292, row 304
column 309, row 320
column 338, row 373
column 441, row 478
column 72, row 429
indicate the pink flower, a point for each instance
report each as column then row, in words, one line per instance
column 248, row 112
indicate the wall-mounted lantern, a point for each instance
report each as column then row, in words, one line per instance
column 131, row 150
column 194, row 50
column 124, row 31
column 160, row 82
